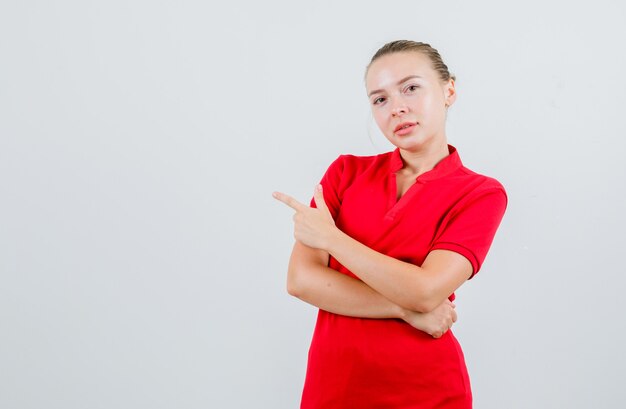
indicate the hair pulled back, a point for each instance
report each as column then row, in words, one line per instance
column 401, row 46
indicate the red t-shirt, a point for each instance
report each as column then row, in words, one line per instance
column 386, row 363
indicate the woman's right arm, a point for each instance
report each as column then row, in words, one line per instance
column 310, row 279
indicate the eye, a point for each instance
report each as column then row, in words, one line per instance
column 411, row 88
column 378, row 101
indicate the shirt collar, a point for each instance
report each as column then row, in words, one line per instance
column 445, row 166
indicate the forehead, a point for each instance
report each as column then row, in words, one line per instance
column 387, row 70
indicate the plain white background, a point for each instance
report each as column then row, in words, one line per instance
column 143, row 260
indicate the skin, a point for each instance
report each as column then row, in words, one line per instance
column 402, row 88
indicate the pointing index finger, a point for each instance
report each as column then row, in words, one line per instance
column 289, row 201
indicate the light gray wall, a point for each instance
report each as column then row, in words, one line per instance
column 142, row 258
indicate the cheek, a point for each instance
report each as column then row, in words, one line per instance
column 434, row 108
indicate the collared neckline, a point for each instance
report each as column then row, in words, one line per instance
column 445, row 166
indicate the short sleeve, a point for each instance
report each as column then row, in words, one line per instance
column 470, row 227
column 332, row 186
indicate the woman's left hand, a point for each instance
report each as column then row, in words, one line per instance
column 436, row 322
column 313, row 227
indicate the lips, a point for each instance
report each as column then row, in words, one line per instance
column 404, row 128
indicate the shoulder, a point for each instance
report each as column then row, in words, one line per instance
column 482, row 182
column 347, row 170
column 477, row 182
column 348, row 164
column 453, row 177
column 476, row 190
column 342, row 174
column 467, row 187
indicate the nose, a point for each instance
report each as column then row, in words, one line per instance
column 399, row 109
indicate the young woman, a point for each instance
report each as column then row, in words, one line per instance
column 386, row 242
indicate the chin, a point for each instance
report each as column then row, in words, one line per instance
column 409, row 143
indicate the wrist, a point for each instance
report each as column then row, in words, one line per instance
column 334, row 237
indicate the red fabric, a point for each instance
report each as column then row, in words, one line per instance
column 373, row 363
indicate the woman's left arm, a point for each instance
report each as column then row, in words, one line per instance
column 412, row 287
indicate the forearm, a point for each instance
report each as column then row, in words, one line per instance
column 313, row 282
column 405, row 284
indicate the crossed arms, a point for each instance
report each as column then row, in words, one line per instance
column 388, row 288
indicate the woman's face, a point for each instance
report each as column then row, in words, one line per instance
column 409, row 100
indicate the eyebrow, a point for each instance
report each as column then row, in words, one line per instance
column 405, row 79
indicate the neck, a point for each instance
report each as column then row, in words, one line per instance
column 418, row 162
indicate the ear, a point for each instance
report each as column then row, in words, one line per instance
column 449, row 92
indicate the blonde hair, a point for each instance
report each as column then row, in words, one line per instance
column 400, row 46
